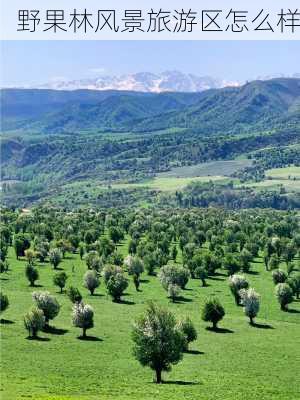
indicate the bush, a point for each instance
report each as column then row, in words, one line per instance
column 284, row 295
column 60, row 280
column 93, row 261
column 158, row 343
column 83, row 317
column 116, row 285
column 173, row 275
column 55, row 257
column 294, row 283
column 250, row 301
column 4, row 303
column 74, row 294
column 34, row 321
column 186, row 327
column 109, row 271
column 236, row 283
column 279, row 276
column 47, row 303
column 213, row 311
column 201, row 273
column 91, row 281
column 135, row 265
column 231, row 264
column 173, row 291
column 31, row 274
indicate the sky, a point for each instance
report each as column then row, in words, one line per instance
column 36, row 62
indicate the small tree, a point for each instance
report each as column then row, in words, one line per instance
column 136, row 282
column 74, row 294
column 60, row 279
column 116, row 286
column 93, row 261
column 250, row 301
column 34, row 321
column 213, row 311
column 173, row 291
column 31, row 274
column 236, row 283
column 135, row 265
column 279, row 276
column 186, row 327
column 91, row 281
column 48, row 304
column 158, row 343
column 201, row 273
column 294, row 283
column 55, row 257
column 83, row 317
column 284, row 295
column 231, row 264
column 30, row 255
column 4, row 303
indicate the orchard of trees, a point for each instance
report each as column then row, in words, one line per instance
column 175, row 245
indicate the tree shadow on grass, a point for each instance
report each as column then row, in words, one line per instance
column 219, row 330
column 6, row 321
column 38, row 339
column 90, row 339
column 180, row 383
column 262, row 326
column 195, row 352
column 4, row 279
column 128, row 302
column 215, row 278
column 55, row 331
column 181, row 299
column 36, row 286
column 97, row 295
column 293, row 311
column 144, row 280
column 252, row 272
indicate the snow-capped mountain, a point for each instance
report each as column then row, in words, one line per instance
column 168, row 81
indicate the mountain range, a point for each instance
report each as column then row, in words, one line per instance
column 255, row 106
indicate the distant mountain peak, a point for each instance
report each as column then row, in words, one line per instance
column 167, row 81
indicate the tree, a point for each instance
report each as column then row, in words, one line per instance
column 174, row 253
column 4, row 303
column 136, row 282
column 279, row 276
column 294, row 283
column 213, row 311
column 41, row 250
column 21, row 243
column 91, row 281
column 173, row 291
column 31, row 274
column 55, row 257
column 116, row 285
column 186, row 327
column 236, row 283
column 250, row 301
column 93, row 261
column 284, row 295
column 74, row 294
column 158, row 343
column 34, row 321
column 201, row 273
column 83, row 317
column 60, row 279
column 135, row 265
column 30, row 255
column 48, row 304
column 245, row 259
column 231, row 264
column 173, row 275
column 274, row 262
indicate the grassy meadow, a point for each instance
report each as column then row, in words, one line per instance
column 239, row 362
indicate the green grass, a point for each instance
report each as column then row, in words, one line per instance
column 284, row 173
column 247, row 363
column 168, row 183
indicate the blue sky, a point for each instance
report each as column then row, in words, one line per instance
column 29, row 62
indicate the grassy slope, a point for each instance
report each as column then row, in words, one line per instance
column 248, row 363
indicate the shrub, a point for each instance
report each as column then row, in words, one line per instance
column 236, row 283
column 294, row 283
column 284, row 295
column 31, row 274
column 135, row 265
column 213, row 311
column 231, row 264
column 91, row 281
column 250, row 301
column 55, row 257
column 158, row 343
column 279, row 276
column 74, row 294
column 34, row 321
column 116, row 285
column 60, row 280
column 171, row 274
column 93, row 261
column 109, row 271
column 83, row 317
column 186, row 327
column 201, row 273
column 4, row 303
column 173, row 291
column 47, row 303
